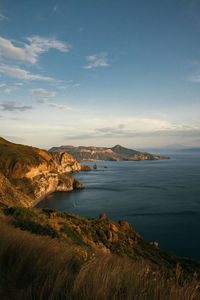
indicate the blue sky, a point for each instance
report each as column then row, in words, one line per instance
column 100, row 72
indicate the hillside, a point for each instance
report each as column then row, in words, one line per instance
column 27, row 174
column 55, row 255
column 116, row 153
column 47, row 254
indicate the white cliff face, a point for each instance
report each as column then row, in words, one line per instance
column 50, row 183
column 67, row 163
column 27, row 173
column 62, row 163
column 50, row 177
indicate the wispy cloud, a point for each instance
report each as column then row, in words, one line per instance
column 55, row 8
column 97, row 60
column 131, row 128
column 17, row 72
column 194, row 78
column 3, row 17
column 7, row 91
column 42, row 92
column 69, row 85
column 76, row 85
column 31, row 50
column 41, row 101
column 64, row 87
column 2, row 85
column 59, row 106
column 55, row 105
column 12, row 106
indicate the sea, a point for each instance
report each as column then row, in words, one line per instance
column 160, row 199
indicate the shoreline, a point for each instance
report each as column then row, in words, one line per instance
column 48, row 193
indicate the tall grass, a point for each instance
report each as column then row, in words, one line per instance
column 38, row 267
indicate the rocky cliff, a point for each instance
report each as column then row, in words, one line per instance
column 27, row 174
column 116, row 153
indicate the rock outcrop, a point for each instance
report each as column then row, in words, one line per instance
column 85, row 168
column 31, row 173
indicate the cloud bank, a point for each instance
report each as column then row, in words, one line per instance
column 17, row 72
column 12, row 106
column 42, row 92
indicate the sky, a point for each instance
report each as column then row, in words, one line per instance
column 101, row 73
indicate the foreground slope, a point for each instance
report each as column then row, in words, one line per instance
column 27, row 174
column 53, row 255
column 116, row 153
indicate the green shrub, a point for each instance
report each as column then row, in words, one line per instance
column 24, row 218
column 72, row 234
column 20, row 212
column 33, row 227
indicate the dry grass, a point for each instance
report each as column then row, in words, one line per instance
column 111, row 277
column 38, row 267
column 35, row 267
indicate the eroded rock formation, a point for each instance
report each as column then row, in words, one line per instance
column 31, row 173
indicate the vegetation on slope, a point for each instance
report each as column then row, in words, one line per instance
column 28, row 173
column 54, row 255
column 46, row 254
column 16, row 159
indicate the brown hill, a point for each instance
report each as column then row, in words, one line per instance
column 116, row 153
column 27, row 174
column 45, row 254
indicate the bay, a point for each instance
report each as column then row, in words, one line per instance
column 160, row 199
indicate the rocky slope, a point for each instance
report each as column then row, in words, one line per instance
column 27, row 174
column 98, row 234
column 116, row 153
column 45, row 254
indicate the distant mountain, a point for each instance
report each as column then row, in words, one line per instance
column 116, row 153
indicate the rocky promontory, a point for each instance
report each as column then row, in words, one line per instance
column 27, row 174
column 116, row 153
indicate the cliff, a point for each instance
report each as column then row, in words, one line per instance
column 116, row 153
column 27, row 174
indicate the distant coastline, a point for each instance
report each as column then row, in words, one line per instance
column 116, row 153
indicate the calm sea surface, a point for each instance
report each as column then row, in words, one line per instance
column 160, row 199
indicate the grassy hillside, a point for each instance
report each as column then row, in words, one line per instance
column 28, row 173
column 16, row 159
column 54, row 255
column 125, row 151
column 11, row 194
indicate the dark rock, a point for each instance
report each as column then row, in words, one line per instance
column 124, row 225
column 113, row 227
column 77, row 185
column 105, row 167
column 101, row 234
column 102, row 216
column 114, row 237
column 85, row 168
column 109, row 236
column 154, row 244
column 95, row 166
